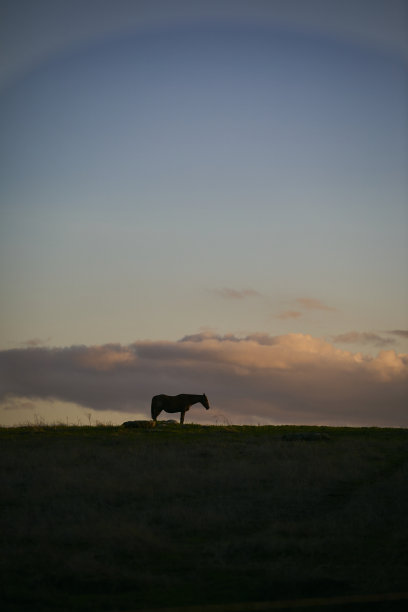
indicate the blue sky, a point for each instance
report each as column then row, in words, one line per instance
column 218, row 175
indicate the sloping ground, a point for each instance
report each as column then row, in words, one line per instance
column 111, row 518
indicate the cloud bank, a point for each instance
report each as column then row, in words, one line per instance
column 292, row 378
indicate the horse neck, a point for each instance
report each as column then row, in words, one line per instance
column 195, row 399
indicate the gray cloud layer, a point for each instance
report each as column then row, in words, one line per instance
column 293, row 378
column 403, row 333
column 355, row 337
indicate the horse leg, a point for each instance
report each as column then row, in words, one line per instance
column 155, row 413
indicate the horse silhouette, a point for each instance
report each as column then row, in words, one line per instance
column 176, row 403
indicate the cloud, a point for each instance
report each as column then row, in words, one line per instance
column 355, row 337
column 292, row 378
column 18, row 403
column 209, row 336
column 289, row 314
column 107, row 357
column 236, row 294
column 307, row 304
column 313, row 304
column 403, row 333
column 35, row 342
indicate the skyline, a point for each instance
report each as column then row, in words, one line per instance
column 206, row 180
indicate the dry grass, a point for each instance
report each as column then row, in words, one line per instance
column 112, row 519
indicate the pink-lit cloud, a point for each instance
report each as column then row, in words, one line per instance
column 293, row 378
column 106, row 357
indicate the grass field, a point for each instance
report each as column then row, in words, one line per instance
column 107, row 518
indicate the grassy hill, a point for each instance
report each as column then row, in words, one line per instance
column 109, row 518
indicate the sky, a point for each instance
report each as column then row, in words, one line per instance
column 204, row 197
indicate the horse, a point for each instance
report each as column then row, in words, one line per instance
column 177, row 403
